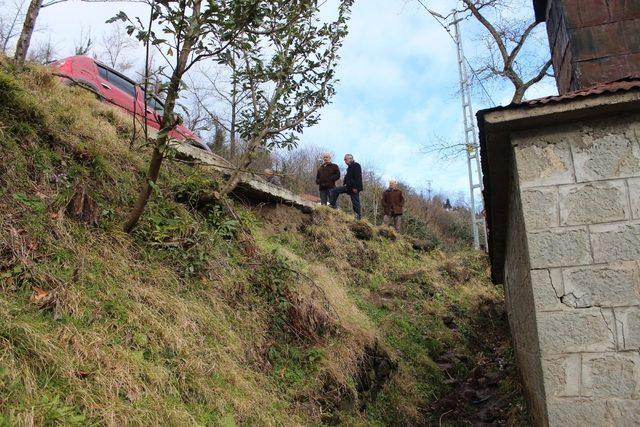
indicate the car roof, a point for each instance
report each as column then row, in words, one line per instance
column 111, row 69
column 118, row 73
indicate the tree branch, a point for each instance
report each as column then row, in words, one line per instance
column 492, row 30
column 516, row 50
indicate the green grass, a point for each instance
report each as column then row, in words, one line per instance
column 197, row 318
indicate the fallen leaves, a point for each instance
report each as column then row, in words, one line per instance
column 39, row 296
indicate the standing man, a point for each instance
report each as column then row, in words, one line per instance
column 328, row 174
column 392, row 205
column 352, row 185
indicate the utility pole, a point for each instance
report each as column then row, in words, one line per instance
column 471, row 138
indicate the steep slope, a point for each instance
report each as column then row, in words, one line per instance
column 204, row 316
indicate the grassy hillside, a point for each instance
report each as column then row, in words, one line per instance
column 266, row 317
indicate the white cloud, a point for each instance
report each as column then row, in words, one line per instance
column 398, row 89
column 398, row 84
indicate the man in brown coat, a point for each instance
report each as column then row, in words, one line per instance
column 392, row 205
column 328, row 174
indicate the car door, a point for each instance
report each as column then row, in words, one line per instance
column 154, row 111
column 117, row 89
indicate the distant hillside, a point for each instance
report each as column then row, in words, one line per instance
column 204, row 316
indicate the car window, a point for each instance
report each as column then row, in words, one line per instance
column 122, row 83
column 156, row 104
column 103, row 72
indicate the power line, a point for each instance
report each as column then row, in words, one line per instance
column 437, row 17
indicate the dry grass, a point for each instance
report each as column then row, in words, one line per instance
column 176, row 324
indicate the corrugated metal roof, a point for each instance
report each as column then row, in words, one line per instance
column 628, row 83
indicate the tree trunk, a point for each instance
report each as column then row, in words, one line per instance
column 232, row 136
column 518, row 95
column 145, row 191
column 158, row 150
column 27, row 31
column 168, row 123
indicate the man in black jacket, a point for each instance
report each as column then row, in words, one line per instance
column 328, row 174
column 352, row 185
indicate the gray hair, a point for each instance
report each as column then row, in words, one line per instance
column 349, row 156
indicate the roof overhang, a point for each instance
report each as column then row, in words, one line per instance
column 496, row 126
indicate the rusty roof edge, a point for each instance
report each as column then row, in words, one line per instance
column 585, row 100
column 496, row 167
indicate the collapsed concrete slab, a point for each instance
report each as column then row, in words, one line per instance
column 250, row 187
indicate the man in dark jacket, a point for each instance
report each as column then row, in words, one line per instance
column 351, row 185
column 392, row 205
column 328, row 174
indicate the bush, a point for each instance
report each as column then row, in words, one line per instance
column 420, row 230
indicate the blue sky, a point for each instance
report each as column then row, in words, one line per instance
column 397, row 91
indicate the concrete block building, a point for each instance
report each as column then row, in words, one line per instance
column 562, row 197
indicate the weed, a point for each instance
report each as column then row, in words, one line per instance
column 35, row 205
column 176, row 325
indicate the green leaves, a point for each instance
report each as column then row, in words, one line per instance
column 36, row 205
column 287, row 61
column 121, row 16
column 281, row 53
column 155, row 187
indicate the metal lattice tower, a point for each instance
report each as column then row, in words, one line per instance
column 471, row 139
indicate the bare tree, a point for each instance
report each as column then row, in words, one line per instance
column 29, row 25
column 43, row 53
column 299, row 167
column 510, row 40
column 375, row 187
column 115, row 47
column 9, row 23
column 199, row 118
column 83, row 44
column 506, row 42
column 222, row 89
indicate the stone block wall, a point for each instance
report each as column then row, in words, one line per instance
column 572, row 270
column 521, row 308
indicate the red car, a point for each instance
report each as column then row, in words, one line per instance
column 120, row 90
